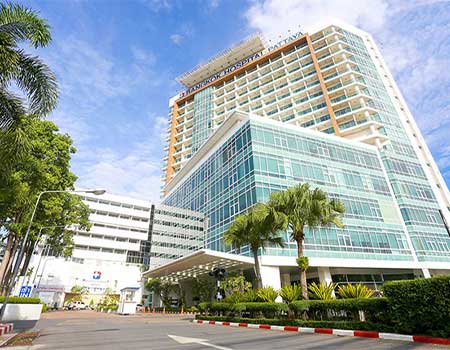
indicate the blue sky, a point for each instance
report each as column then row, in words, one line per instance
column 116, row 62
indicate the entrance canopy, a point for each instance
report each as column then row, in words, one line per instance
column 197, row 264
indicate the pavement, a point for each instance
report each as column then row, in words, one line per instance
column 86, row 330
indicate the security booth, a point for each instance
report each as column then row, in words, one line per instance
column 129, row 298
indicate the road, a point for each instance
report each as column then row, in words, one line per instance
column 86, row 330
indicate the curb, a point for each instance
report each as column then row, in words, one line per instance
column 340, row 332
column 6, row 328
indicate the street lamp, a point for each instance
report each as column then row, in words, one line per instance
column 96, row 191
column 45, row 246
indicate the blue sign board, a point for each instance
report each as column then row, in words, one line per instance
column 25, row 291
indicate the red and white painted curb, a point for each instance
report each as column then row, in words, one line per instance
column 6, row 328
column 341, row 332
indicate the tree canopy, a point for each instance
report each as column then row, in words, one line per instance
column 45, row 166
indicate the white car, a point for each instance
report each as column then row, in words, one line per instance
column 77, row 305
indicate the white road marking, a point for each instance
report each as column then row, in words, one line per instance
column 187, row 340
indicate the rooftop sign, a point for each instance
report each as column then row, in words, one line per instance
column 240, row 64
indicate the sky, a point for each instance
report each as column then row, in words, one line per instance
column 116, row 62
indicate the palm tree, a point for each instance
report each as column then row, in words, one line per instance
column 257, row 228
column 19, row 25
column 306, row 207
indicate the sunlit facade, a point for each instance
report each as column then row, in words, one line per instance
column 318, row 107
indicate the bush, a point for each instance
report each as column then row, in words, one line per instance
column 348, row 291
column 375, row 309
column 267, row 294
column 249, row 309
column 44, row 307
column 321, row 291
column 291, row 293
column 21, row 300
column 358, row 325
column 420, row 306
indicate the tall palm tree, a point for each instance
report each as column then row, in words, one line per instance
column 257, row 228
column 37, row 84
column 305, row 207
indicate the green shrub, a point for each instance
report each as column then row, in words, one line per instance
column 268, row 310
column 349, row 291
column 204, row 306
column 21, row 300
column 375, row 309
column 321, row 291
column 291, row 293
column 267, row 294
column 358, row 325
column 44, row 307
column 420, row 306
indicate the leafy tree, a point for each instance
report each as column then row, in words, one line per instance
column 109, row 298
column 235, row 285
column 45, row 166
column 305, row 207
column 19, row 25
column 203, row 289
column 162, row 288
column 258, row 228
column 79, row 292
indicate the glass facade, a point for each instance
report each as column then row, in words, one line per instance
column 261, row 157
column 202, row 129
column 418, row 205
column 174, row 233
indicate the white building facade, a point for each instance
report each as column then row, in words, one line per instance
column 113, row 252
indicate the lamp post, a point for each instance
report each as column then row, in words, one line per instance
column 96, row 191
column 43, row 250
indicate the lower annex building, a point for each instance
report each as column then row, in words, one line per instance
column 127, row 236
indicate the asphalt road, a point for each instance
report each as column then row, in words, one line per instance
column 86, row 330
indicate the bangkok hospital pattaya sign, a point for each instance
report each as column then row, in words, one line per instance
column 239, row 64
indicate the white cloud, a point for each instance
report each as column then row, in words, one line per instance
column 137, row 173
column 274, row 18
column 176, row 38
column 158, row 5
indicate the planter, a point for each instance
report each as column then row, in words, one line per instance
column 24, row 316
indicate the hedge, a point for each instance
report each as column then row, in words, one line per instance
column 373, row 309
column 254, row 309
column 358, row 325
column 21, row 300
column 420, row 306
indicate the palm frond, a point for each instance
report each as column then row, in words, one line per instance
column 11, row 109
column 39, row 83
column 23, row 24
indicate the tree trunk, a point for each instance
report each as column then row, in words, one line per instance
column 257, row 270
column 6, row 278
column 302, row 272
column 6, row 257
column 28, row 254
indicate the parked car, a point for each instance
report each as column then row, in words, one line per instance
column 77, row 305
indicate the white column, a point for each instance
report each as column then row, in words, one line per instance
column 426, row 273
column 270, row 276
column 325, row 275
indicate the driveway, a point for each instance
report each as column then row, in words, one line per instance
column 86, row 330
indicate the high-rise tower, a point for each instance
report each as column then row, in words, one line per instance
column 319, row 107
